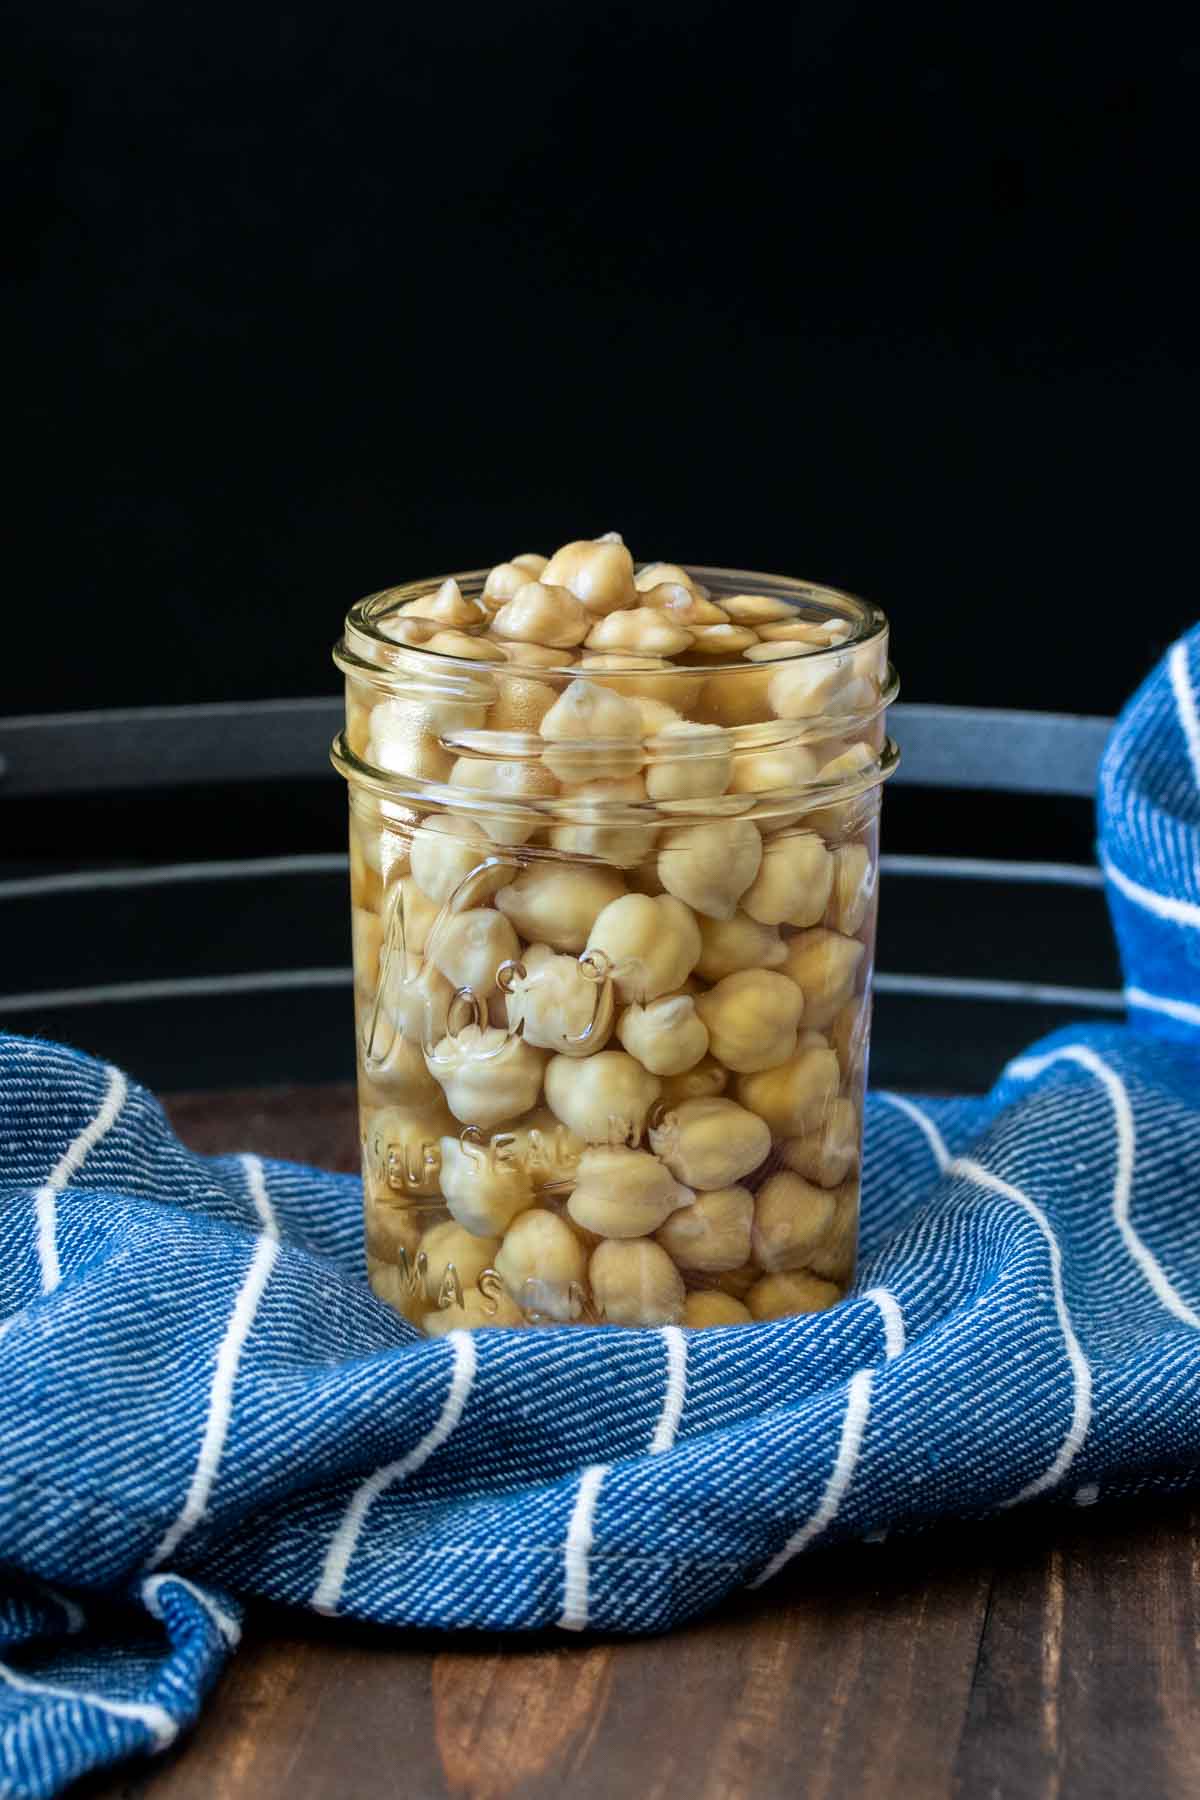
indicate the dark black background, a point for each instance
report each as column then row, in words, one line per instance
column 308, row 302
column 312, row 301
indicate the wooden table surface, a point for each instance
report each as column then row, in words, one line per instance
column 1049, row 1654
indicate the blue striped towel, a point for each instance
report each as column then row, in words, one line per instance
column 201, row 1400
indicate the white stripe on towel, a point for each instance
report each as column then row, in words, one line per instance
column 854, row 1424
column 68, row 1165
column 1186, row 1011
column 1163, row 906
column 928, row 1129
column 328, row 1591
column 574, row 1616
column 220, row 1400
column 1185, row 701
column 157, row 1720
column 1152, row 1270
column 1081, row 1374
column 256, row 1181
column 893, row 1320
column 225, row 1623
column 672, row 1407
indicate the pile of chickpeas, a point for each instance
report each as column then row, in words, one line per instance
column 613, row 862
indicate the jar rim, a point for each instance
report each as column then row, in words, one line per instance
column 867, row 623
column 417, row 794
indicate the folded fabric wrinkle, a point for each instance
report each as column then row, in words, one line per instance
column 202, row 1402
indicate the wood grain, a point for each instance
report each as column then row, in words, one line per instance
column 1053, row 1655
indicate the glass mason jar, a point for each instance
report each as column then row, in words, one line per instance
column 613, row 927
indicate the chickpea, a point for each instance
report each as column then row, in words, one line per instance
column 597, row 571
column 381, row 835
column 366, row 940
column 848, row 1037
column 787, row 766
column 557, row 904
column 448, row 1247
column 469, row 947
column 656, row 715
column 713, row 1233
column 486, row 1074
column 643, row 631
column 636, row 1283
column 399, row 1289
column 653, row 575
column 740, row 942
column 400, row 1151
column 701, row 1083
column 760, row 652
column 542, row 1145
column 447, row 849
column 752, row 1019
column 828, row 1153
column 461, row 644
column 792, row 1098
column 393, row 1070
column 854, row 760
column 825, row 966
column 709, row 1307
column 680, row 602
column 447, row 703
column 667, row 1036
column 736, row 1282
column 448, row 606
column 507, row 781
column 736, row 697
column 710, row 866
column 508, row 821
column 390, row 1228
column 415, row 997
column 710, row 1143
column 696, row 762
column 843, row 817
column 366, row 884
column 415, row 913
column 651, row 944
column 410, row 631
column 834, row 1258
column 506, row 578
column 622, row 1193
column 796, row 631
column 806, row 687
column 609, row 730
column 590, row 808
column 640, row 678
column 853, row 888
column 543, row 1265
column 483, row 1192
column 559, row 1003
column 756, row 609
column 793, row 882
column 791, row 1218
column 481, row 1307
column 778, row 1296
column 520, row 705
column 399, row 745
column 723, row 640
column 539, row 614
column 535, row 656
column 604, row 1098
